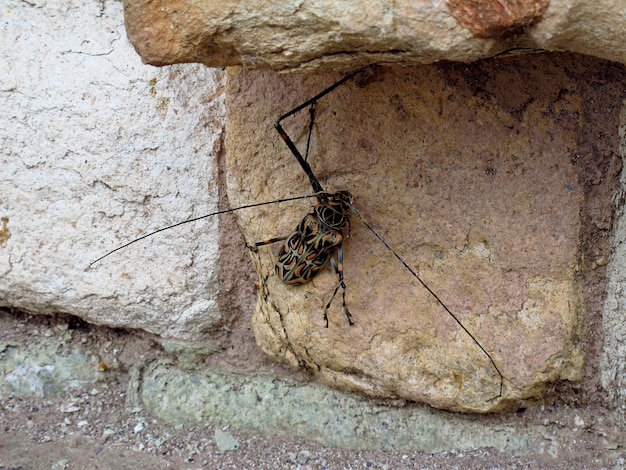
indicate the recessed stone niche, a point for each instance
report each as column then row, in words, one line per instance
column 473, row 174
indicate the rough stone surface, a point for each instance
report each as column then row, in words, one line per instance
column 614, row 321
column 88, row 136
column 495, row 18
column 472, row 174
column 320, row 35
column 328, row 416
column 98, row 149
column 44, row 370
column 225, row 441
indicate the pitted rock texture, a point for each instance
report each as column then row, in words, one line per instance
column 497, row 19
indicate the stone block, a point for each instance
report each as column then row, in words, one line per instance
column 97, row 150
column 318, row 36
column 471, row 179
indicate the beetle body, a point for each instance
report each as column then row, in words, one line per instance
column 316, row 239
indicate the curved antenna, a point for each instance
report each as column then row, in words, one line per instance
column 224, row 211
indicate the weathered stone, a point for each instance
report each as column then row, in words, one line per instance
column 273, row 406
column 470, row 175
column 97, row 150
column 40, row 369
column 87, row 152
column 318, row 36
column 614, row 322
column 225, row 441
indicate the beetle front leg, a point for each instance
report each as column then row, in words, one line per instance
column 271, row 241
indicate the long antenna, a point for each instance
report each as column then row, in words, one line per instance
column 317, row 187
column 315, row 184
column 390, row 248
column 224, row 211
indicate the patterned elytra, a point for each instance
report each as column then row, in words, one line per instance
column 316, row 238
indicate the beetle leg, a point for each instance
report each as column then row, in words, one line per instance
column 271, row 241
column 338, row 268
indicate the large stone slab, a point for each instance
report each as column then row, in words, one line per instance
column 469, row 174
column 98, row 149
column 319, row 35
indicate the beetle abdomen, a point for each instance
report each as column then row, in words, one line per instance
column 306, row 250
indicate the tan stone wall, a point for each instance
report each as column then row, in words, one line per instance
column 472, row 173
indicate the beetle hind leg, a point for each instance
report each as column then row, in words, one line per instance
column 338, row 268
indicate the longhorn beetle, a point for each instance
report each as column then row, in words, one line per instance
column 318, row 237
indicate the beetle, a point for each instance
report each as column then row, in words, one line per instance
column 317, row 239
column 314, row 241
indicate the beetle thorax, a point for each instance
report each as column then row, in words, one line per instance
column 334, row 209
